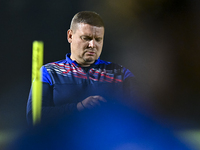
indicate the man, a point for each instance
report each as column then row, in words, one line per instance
column 82, row 81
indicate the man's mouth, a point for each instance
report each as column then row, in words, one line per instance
column 90, row 53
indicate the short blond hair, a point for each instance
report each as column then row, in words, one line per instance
column 87, row 17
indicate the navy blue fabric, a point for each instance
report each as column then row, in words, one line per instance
column 115, row 128
column 65, row 83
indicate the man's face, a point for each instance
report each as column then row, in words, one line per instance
column 86, row 43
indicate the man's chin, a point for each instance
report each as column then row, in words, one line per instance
column 90, row 60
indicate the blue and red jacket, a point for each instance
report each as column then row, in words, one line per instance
column 65, row 83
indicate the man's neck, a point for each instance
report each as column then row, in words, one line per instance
column 81, row 64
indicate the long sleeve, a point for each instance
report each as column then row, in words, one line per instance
column 130, row 88
column 49, row 109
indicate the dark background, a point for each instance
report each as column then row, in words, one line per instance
column 157, row 40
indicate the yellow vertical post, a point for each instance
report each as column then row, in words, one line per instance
column 37, row 62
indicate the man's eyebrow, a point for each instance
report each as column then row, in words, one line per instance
column 86, row 36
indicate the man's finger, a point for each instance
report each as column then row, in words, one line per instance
column 100, row 98
column 96, row 102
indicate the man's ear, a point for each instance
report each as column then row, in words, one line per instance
column 69, row 35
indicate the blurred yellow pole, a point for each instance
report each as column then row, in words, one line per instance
column 37, row 62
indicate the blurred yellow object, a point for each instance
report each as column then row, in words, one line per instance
column 7, row 136
column 37, row 61
column 190, row 137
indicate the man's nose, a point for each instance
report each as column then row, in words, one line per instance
column 92, row 43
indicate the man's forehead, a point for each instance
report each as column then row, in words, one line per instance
column 89, row 30
column 85, row 27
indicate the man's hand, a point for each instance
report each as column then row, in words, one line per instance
column 90, row 102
